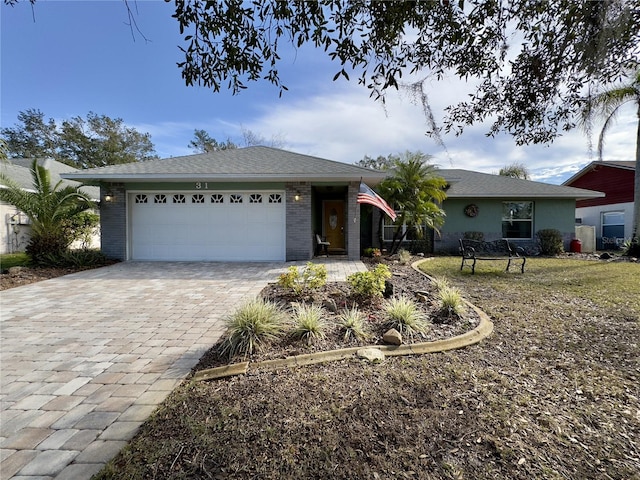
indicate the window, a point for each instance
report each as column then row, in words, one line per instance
column 235, row 198
column 141, row 198
column 217, row 198
column 612, row 226
column 255, row 198
column 389, row 229
column 159, row 198
column 275, row 198
column 179, row 198
column 517, row 219
column 197, row 198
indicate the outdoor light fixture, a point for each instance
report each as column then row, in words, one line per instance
column 108, row 197
column 296, row 197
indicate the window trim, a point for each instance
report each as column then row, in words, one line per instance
column 503, row 219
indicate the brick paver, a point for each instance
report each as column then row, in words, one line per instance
column 86, row 358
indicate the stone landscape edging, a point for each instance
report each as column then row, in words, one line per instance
column 482, row 331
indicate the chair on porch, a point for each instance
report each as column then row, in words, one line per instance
column 322, row 245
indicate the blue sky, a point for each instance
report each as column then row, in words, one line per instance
column 81, row 56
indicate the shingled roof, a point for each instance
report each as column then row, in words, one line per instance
column 237, row 164
column 19, row 170
column 468, row 184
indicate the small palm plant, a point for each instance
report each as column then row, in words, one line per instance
column 352, row 323
column 309, row 323
column 50, row 209
column 405, row 316
column 253, row 325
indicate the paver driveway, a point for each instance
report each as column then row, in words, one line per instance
column 87, row 357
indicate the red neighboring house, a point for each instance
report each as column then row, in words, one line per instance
column 612, row 215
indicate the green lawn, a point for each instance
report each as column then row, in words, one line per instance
column 8, row 260
column 611, row 284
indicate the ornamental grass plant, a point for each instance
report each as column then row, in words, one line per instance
column 352, row 324
column 405, row 316
column 253, row 325
column 309, row 324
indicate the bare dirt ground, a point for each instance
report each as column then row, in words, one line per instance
column 552, row 394
column 26, row 275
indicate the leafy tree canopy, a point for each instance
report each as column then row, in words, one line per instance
column 515, row 170
column 202, row 142
column 94, row 141
column 529, row 60
column 379, row 163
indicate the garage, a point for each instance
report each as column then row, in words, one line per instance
column 207, row 225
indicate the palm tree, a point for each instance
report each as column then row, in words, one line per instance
column 415, row 191
column 49, row 208
column 606, row 105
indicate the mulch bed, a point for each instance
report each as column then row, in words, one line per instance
column 334, row 297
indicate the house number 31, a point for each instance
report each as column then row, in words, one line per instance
column 200, row 185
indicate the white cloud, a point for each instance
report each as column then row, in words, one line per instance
column 343, row 123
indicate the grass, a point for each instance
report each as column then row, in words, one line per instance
column 552, row 393
column 8, row 260
column 405, row 316
column 352, row 323
column 252, row 326
column 308, row 323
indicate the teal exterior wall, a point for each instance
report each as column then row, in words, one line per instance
column 192, row 186
column 558, row 214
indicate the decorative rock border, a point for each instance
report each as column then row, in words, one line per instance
column 482, row 331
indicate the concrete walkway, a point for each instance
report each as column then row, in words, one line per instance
column 86, row 358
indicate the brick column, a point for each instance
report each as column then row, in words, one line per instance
column 299, row 233
column 113, row 221
column 352, row 219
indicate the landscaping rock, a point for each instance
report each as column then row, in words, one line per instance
column 15, row 270
column 422, row 297
column 392, row 337
column 372, row 355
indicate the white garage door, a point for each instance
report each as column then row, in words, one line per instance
column 218, row 226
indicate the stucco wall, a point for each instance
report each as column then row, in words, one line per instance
column 558, row 214
column 15, row 230
column 593, row 216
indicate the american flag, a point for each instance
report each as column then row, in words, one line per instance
column 366, row 195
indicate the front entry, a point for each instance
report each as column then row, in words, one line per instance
column 333, row 224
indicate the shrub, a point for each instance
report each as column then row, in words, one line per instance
column 352, row 322
column 370, row 283
column 451, row 302
column 479, row 236
column 372, row 252
column 405, row 316
column 309, row 324
column 252, row 325
column 73, row 259
column 550, row 242
column 404, row 256
column 631, row 247
column 313, row 277
column 440, row 282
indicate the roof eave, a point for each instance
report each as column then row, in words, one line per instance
column 170, row 177
column 580, row 196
